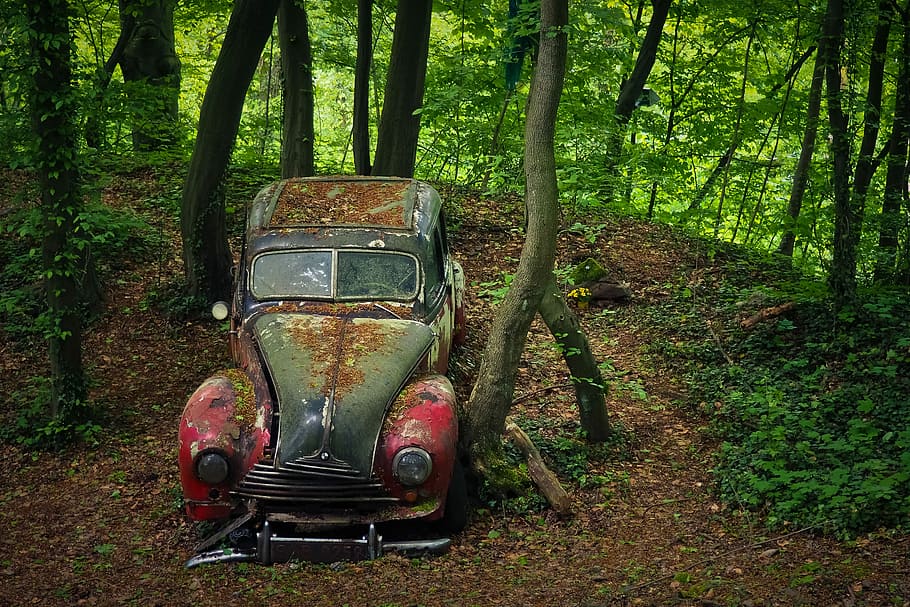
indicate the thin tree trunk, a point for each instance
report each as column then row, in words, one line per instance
column 576, row 351
column 896, row 177
column 399, row 127
column 491, row 398
column 298, row 134
column 206, row 254
column 632, row 88
column 737, row 130
column 52, row 108
column 801, row 173
column 361, row 131
column 866, row 164
column 722, row 164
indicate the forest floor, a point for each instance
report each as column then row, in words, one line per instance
column 102, row 524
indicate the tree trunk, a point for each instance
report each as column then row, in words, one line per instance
column 632, row 88
column 298, row 134
column 52, row 107
column 151, row 71
column 896, row 177
column 491, row 398
column 867, row 163
column 801, row 173
column 737, row 130
column 361, row 134
column 206, row 254
column 722, row 164
column 399, row 127
column 842, row 276
column 589, row 384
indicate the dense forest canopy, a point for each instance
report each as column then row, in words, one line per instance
column 776, row 125
column 713, row 141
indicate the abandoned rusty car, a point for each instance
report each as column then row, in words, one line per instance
column 338, row 417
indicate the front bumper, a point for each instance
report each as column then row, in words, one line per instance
column 272, row 548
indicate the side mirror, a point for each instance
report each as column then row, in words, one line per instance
column 220, row 310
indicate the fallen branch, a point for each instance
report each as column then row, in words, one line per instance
column 720, row 345
column 767, row 313
column 525, row 397
column 542, row 476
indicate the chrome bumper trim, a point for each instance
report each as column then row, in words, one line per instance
column 271, row 548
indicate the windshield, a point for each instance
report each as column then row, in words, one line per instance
column 339, row 275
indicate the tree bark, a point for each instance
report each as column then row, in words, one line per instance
column 896, row 176
column 298, row 133
column 586, row 378
column 842, row 276
column 801, row 172
column 52, row 108
column 149, row 63
column 206, row 254
column 867, row 163
column 361, row 133
column 399, row 127
column 632, row 88
column 491, row 398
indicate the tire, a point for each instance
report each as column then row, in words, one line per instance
column 455, row 517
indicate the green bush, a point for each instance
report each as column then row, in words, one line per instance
column 815, row 418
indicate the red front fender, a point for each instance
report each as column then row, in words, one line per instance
column 423, row 416
column 223, row 415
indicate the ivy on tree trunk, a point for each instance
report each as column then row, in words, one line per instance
column 52, row 107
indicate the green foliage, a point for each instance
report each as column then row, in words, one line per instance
column 494, row 290
column 108, row 233
column 32, row 428
column 813, row 412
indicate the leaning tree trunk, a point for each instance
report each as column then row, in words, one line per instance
column 896, row 176
column 586, row 378
column 206, row 254
column 52, row 120
column 298, row 134
column 491, row 398
column 151, row 71
column 361, row 131
column 399, row 127
column 631, row 90
column 801, row 173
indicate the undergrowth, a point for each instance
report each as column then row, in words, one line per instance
column 811, row 406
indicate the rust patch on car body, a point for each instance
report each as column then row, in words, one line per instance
column 350, row 201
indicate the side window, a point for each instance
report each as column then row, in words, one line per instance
column 435, row 270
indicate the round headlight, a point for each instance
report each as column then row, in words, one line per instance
column 220, row 310
column 212, row 468
column 412, row 466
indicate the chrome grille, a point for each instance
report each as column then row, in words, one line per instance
column 312, row 481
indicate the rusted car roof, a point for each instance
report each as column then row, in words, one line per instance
column 382, row 202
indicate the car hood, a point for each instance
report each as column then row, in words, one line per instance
column 335, row 377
